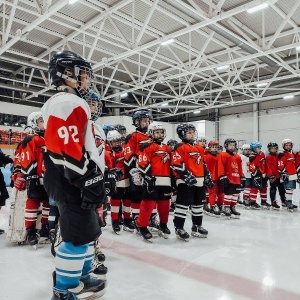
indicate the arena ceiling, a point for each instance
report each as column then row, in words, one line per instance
column 177, row 57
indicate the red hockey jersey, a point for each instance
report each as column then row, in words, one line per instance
column 297, row 161
column 155, row 159
column 31, row 155
column 132, row 145
column 258, row 164
column 212, row 165
column 272, row 165
column 286, row 163
column 189, row 157
column 231, row 166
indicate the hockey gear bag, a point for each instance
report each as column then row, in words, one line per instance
column 92, row 189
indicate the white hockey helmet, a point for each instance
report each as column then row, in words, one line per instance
column 245, row 147
column 113, row 135
column 156, row 126
column 287, row 141
column 32, row 122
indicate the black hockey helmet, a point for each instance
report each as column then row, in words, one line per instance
column 66, row 61
column 182, row 130
column 140, row 114
column 272, row 144
column 120, row 128
column 172, row 144
column 229, row 141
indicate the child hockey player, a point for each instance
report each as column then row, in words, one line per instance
column 230, row 174
column 188, row 164
column 288, row 172
column 154, row 164
column 74, row 176
column 247, row 184
column 274, row 176
column 215, row 193
column 31, row 159
column 115, row 159
column 257, row 167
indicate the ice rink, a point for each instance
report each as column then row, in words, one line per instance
column 256, row 257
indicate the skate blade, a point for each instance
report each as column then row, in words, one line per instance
column 148, row 240
column 277, row 209
column 34, row 247
column 127, row 229
column 91, row 295
column 163, row 235
column 235, row 217
column 100, row 276
column 44, row 241
column 116, row 232
column 199, row 235
column 180, row 238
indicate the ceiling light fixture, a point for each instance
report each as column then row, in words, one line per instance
column 165, row 104
column 167, row 42
column 288, row 97
column 298, row 48
column 124, row 95
column 262, row 84
column 222, row 68
column 257, row 8
column 196, row 112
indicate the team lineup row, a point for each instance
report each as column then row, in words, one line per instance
column 84, row 164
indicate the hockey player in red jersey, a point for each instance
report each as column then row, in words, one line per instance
column 141, row 120
column 215, row 193
column 288, row 172
column 122, row 130
column 154, row 164
column 231, row 175
column 297, row 162
column 257, row 167
column 274, row 176
column 31, row 160
column 115, row 159
column 192, row 177
column 74, row 175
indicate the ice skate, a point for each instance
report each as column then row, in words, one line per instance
column 136, row 228
column 44, row 234
column 52, row 235
column 213, row 211
column 265, row 205
column 255, row 205
column 295, row 207
column 153, row 225
column 32, row 237
column 181, row 234
column 234, row 214
column 172, row 208
column 246, row 203
column 116, row 227
column 283, row 203
column 164, row 231
column 99, row 255
column 128, row 225
column 99, row 270
column 290, row 205
column 275, row 206
column 146, row 234
column 207, row 209
column 199, row 231
column 226, row 211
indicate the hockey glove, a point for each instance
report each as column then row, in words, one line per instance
column 243, row 181
column 257, row 182
column 19, row 182
column 284, row 177
column 92, row 189
column 136, row 177
column 111, row 178
column 188, row 178
column 224, row 180
column 34, row 189
column 149, row 182
column 208, row 182
column 272, row 178
column 298, row 177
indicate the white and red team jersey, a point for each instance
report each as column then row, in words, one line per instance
column 100, row 138
column 245, row 165
column 155, row 159
column 286, row 163
column 115, row 159
column 132, row 146
column 189, row 157
column 258, row 164
column 297, row 162
column 70, row 135
column 212, row 165
column 30, row 154
column 231, row 166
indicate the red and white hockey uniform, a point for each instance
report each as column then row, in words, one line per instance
column 212, row 165
column 258, row 165
column 286, row 163
column 189, row 157
column 154, row 159
column 231, row 166
column 297, row 162
column 272, row 165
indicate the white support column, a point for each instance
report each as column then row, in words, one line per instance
column 255, row 122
